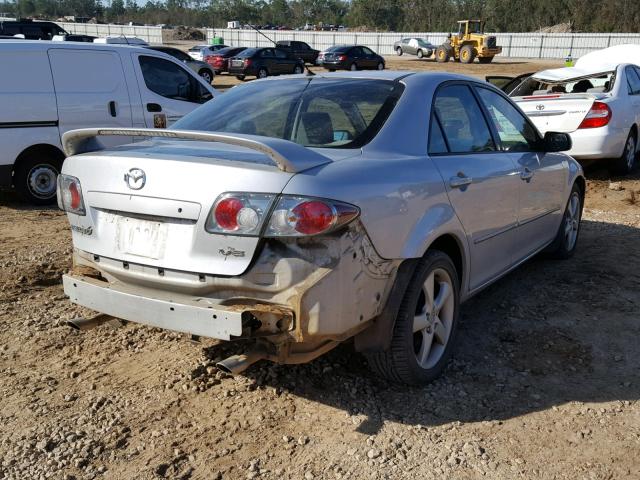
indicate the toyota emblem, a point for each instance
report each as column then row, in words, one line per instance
column 539, row 107
column 135, row 178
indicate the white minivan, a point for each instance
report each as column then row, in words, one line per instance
column 48, row 88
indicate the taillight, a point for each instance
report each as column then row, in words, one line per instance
column 598, row 116
column 300, row 216
column 342, row 58
column 247, row 62
column 246, row 214
column 239, row 213
column 69, row 193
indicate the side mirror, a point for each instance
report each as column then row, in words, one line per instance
column 557, row 142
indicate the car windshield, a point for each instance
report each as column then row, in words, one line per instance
column 598, row 83
column 343, row 113
column 249, row 52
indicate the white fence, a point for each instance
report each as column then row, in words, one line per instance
column 522, row 45
column 149, row 34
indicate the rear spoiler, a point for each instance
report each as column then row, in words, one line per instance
column 288, row 156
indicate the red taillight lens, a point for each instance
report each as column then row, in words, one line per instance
column 598, row 116
column 313, row 217
column 342, row 58
column 300, row 216
column 70, row 195
column 75, row 196
column 239, row 213
column 226, row 213
column 247, row 62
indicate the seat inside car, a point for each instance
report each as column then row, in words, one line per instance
column 316, row 127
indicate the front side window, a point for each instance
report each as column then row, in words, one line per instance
column 337, row 113
column 169, row 80
column 462, row 120
column 367, row 51
column 515, row 132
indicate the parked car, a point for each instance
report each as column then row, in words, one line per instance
column 121, row 40
column 414, row 46
column 299, row 50
column 263, row 62
column 53, row 87
column 35, row 30
column 219, row 60
column 351, row 57
column 200, row 52
column 73, row 38
column 364, row 205
column 597, row 101
column 201, row 68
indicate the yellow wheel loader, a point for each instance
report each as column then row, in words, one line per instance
column 468, row 44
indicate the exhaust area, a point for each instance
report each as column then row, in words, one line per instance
column 239, row 363
column 89, row 323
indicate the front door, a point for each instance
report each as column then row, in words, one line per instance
column 542, row 183
column 168, row 90
column 481, row 182
column 91, row 90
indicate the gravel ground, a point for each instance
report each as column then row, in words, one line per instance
column 545, row 382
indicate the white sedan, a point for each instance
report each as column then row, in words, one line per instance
column 597, row 102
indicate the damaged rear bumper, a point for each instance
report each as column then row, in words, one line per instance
column 213, row 321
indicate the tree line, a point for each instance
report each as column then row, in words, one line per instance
column 381, row 15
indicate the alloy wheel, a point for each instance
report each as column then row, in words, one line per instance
column 572, row 221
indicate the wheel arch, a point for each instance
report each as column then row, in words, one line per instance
column 47, row 149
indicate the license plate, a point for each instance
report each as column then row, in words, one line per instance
column 142, row 238
column 237, row 63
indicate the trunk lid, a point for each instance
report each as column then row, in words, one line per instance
column 162, row 224
column 557, row 112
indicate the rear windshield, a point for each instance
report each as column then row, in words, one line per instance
column 197, row 48
column 249, row 52
column 336, row 113
column 599, row 83
column 229, row 51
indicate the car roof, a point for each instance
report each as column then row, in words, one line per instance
column 34, row 45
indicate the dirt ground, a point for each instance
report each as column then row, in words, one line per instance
column 545, row 381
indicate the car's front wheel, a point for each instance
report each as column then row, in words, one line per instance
column 399, row 51
column 425, row 326
column 298, row 69
column 380, row 66
column 420, row 54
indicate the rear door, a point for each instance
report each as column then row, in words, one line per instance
column 482, row 183
column 91, row 89
column 167, row 89
column 285, row 61
column 542, row 175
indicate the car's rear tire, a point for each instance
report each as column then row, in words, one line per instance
column 564, row 245
column 380, row 66
column 353, row 67
column 399, row 51
column 485, row 59
column 262, row 73
column 443, row 54
column 35, row 178
column 626, row 163
column 467, row 54
column 425, row 326
column 206, row 75
column 241, row 77
column 298, row 70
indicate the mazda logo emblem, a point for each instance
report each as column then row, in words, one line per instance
column 135, row 178
column 540, row 107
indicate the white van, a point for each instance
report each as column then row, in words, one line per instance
column 47, row 88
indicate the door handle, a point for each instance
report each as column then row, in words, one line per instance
column 153, row 107
column 526, row 175
column 460, row 181
column 112, row 108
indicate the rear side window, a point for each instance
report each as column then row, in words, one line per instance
column 515, row 132
column 437, row 143
column 85, row 72
column 267, row 54
column 281, row 53
column 169, row 80
column 462, row 120
column 633, row 81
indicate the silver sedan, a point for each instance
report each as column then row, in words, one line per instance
column 300, row 212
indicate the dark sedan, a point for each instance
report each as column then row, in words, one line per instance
column 263, row 62
column 300, row 50
column 219, row 60
column 351, row 57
